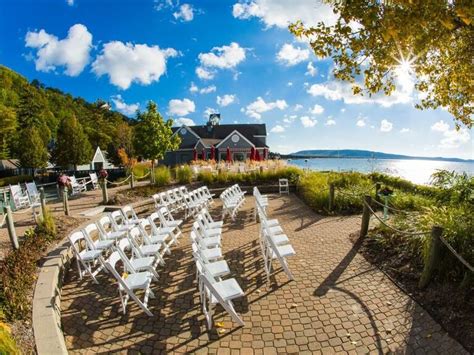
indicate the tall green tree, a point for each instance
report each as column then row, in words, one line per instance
column 123, row 139
column 7, row 130
column 33, row 153
column 429, row 40
column 153, row 136
column 72, row 146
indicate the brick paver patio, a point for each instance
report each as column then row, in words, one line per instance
column 338, row 302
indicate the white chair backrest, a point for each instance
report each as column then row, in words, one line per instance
column 75, row 240
column 94, row 178
column 129, row 213
column 32, row 191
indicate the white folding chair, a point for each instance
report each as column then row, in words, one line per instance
column 94, row 180
column 107, row 227
column 98, row 242
column 211, row 254
column 278, row 252
column 137, row 264
column 283, row 186
column 86, row 258
column 221, row 292
column 77, row 187
column 158, row 229
column 128, row 283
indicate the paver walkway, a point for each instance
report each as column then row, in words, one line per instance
column 85, row 201
column 338, row 302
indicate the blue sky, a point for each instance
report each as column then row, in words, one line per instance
column 234, row 57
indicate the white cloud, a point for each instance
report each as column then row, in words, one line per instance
column 440, row 126
column 405, row 130
column 208, row 111
column 297, row 107
column 317, row 110
column 193, row 88
column 126, row 109
column 289, row 55
column 225, row 57
column 454, row 139
column 181, row 107
column 277, row 129
column 334, row 90
column 330, row 122
column 70, row 2
column 225, row 100
column 185, row 13
column 204, row 74
column 71, row 52
column 126, row 63
column 205, row 90
column 311, row 70
column 308, row 122
column 281, row 13
column 385, row 126
column 289, row 83
column 360, row 123
column 259, row 106
column 183, row 121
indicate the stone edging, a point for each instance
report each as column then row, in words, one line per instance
column 47, row 329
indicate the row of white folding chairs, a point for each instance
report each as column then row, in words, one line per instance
column 232, row 199
column 206, row 235
column 147, row 239
column 197, row 200
column 261, row 199
column 274, row 243
column 173, row 198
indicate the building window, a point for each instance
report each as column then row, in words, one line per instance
column 235, row 138
column 183, row 131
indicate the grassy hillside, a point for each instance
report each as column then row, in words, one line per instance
column 24, row 103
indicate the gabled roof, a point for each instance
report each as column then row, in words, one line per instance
column 238, row 133
column 220, row 132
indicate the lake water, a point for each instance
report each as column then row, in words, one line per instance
column 417, row 171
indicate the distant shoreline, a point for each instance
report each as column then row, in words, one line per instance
column 362, row 154
column 302, row 157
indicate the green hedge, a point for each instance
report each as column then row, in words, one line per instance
column 184, row 174
column 15, row 180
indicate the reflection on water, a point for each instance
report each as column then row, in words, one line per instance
column 417, row 171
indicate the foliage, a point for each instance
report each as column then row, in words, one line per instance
column 33, row 105
column 382, row 41
column 404, row 185
column 72, row 146
column 7, row 343
column 252, row 178
column 33, row 153
column 140, row 169
column 162, row 176
column 153, row 136
column 18, row 271
column 11, row 180
column 122, row 143
column 7, row 129
column 184, row 174
column 455, row 187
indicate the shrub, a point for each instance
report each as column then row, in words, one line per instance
column 184, row 174
column 11, row 180
column 162, row 176
column 141, row 169
column 18, row 270
column 206, row 177
column 7, row 343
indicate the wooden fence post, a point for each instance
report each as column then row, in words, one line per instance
column 65, row 201
column 105, row 193
column 132, row 181
column 43, row 201
column 331, row 196
column 364, row 228
column 11, row 227
column 433, row 254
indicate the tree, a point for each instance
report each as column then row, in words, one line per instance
column 72, row 146
column 153, row 136
column 33, row 153
column 7, row 130
column 374, row 41
column 123, row 142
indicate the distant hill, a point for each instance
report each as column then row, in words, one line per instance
column 23, row 103
column 362, row 154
